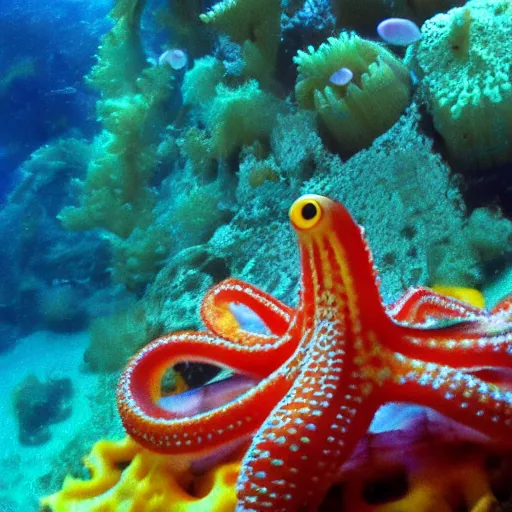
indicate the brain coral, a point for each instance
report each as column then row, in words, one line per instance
column 358, row 112
column 464, row 63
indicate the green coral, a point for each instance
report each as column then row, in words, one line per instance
column 356, row 113
column 116, row 194
column 256, row 27
column 239, row 117
column 463, row 62
column 245, row 20
column 200, row 82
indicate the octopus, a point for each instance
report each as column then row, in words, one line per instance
column 311, row 382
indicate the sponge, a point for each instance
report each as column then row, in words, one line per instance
column 464, row 65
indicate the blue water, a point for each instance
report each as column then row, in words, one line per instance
column 50, row 100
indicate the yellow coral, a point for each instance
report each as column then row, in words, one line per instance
column 356, row 113
column 125, row 476
column 464, row 69
column 469, row 295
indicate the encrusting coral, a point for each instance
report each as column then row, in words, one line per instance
column 356, row 112
column 125, row 476
column 464, row 66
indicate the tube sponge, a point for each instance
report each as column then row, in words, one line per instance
column 464, row 67
column 358, row 112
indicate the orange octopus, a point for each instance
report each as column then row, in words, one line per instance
column 323, row 368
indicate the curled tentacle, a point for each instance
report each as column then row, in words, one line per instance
column 424, row 306
column 165, row 431
column 220, row 320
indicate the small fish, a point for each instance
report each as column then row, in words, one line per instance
column 65, row 91
column 175, row 58
column 399, row 31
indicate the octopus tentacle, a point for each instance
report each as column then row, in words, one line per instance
column 457, row 394
column 485, row 342
column 161, row 430
column 421, row 305
column 504, row 308
column 219, row 319
column 298, row 451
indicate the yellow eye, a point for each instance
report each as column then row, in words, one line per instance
column 305, row 213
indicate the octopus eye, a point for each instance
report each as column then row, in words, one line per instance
column 309, row 211
column 305, row 213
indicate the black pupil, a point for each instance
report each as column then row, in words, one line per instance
column 308, row 211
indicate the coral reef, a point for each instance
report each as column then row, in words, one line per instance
column 465, row 80
column 189, row 179
column 39, row 259
column 382, row 186
column 354, row 113
column 39, row 404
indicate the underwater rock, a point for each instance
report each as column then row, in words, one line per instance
column 39, row 404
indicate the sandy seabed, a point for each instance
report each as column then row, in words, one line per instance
column 46, row 355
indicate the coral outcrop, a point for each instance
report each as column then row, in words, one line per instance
column 39, row 404
column 464, row 69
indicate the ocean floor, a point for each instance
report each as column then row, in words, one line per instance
column 46, row 355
